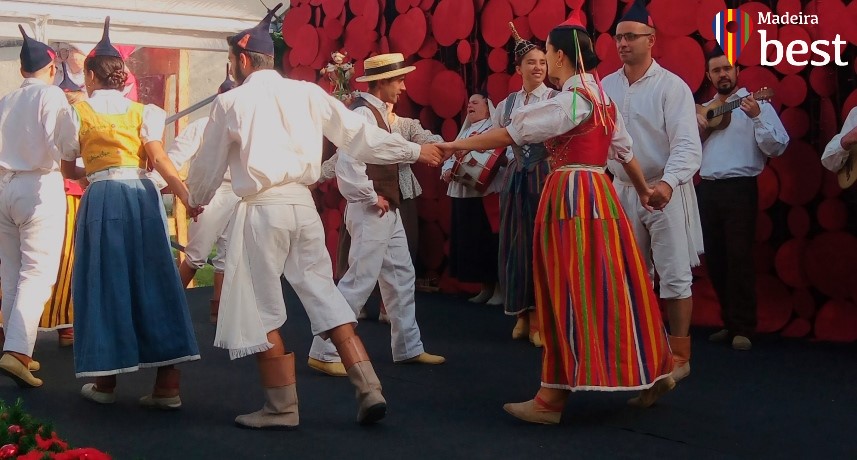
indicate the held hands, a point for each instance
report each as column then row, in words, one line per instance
column 194, row 212
column 431, row 155
column 750, row 106
column 660, row 197
column 383, row 205
column 646, row 197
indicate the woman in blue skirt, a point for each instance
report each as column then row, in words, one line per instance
column 131, row 308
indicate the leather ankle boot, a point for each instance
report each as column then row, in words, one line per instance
column 372, row 406
column 681, row 357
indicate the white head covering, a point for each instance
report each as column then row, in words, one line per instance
column 466, row 125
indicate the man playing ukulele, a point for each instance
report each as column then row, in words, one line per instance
column 728, row 198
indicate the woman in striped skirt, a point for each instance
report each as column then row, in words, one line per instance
column 597, row 310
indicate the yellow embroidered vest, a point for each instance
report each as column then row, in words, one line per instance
column 111, row 141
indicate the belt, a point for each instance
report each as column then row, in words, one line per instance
column 581, row 167
column 117, row 174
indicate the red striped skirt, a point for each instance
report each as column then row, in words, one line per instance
column 600, row 321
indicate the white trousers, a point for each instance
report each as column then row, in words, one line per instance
column 210, row 228
column 379, row 254
column 32, row 225
column 662, row 237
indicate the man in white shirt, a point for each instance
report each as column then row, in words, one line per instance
column 269, row 132
column 836, row 152
column 210, row 227
column 732, row 158
column 659, row 112
column 379, row 248
column 32, row 206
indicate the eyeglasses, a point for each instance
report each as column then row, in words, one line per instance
column 629, row 37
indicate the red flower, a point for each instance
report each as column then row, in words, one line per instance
column 86, row 453
column 46, row 444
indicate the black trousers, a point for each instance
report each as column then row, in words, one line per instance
column 728, row 209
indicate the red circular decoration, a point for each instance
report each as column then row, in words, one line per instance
column 332, row 8
column 788, row 263
column 672, row 17
column 791, row 90
column 448, row 94
column 837, row 322
column 796, row 122
column 303, row 73
column 751, row 53
column 306, row 50
column 360, row 37
column 545, row 16
column 405, row 107
column 788, row 35
column 605, row 48
column 449, row 129
column 443, row 25
column 402, row 6
column 756, row 78
column 445, row 205
column 326, row 46
column 774, row 308
column 799, row 222
column 789, row 7
column 429, row 48
column 428, row 118
column 705, row 12
column 769, row 188
column 827, row 121
column 522, row 7
column 603, row 15
column 426, row 5
column 464, row 52
column 803, row 303
column 333, row 28
column 830, row 185
column 498, row 60
column 575, row 4
column 332, row 219
column 832, row 214
column 799, row 172
column 849, row 104
column 464, row 19
column 332, row 197
column 516, row 82
column 292, row 22
column 823, row 81
column 419, row 81
column 682, row 56
column 831, row 259
column 494, row 20
column 429, row 179
column 427, row 208
column 408, row 32
column 764, row 227
column 369, row 10
column 797, row 329
column 498, row 86
column 522, row 25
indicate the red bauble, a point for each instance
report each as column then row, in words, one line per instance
column 15, row 430
column 9, row 450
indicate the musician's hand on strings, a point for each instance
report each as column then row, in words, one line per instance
column 431, row 155
column 661, row 195
column 701, row 122
column 383, row 205
column 446, row 176
column 750, row 106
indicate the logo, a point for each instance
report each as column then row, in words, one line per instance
column 732, row 29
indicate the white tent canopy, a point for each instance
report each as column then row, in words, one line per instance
column 187, row 24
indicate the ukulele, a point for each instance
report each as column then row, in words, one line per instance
column 719, row 113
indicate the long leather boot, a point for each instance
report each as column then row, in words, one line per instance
column 372, row 406
column 681, row 357
column 280, row 411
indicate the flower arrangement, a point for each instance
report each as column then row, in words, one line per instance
column 340, row 72
column 24, row 438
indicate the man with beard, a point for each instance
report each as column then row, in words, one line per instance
column 728, row 197
column 659, row 111
column 519, row 196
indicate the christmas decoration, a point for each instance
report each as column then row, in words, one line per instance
column 14, row 430
column 8, row 451
column 27, row 438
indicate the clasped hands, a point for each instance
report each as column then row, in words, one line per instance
column 657, row 197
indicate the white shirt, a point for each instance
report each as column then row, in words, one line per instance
column 277, row 125
column 110, row 102
column 522, row 98
column 834, row 156
column 556, row 116
column 28, row 119
column 459, row 190
column 742, row 148
column 660, row 114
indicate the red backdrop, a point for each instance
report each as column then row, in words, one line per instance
column 806, row 251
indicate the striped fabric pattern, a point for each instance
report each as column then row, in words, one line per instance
column 599, row 317
column 59, row 312
column 519, row 202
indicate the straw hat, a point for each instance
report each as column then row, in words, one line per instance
column 384, row 66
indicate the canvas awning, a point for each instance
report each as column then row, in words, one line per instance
column 187, row 24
